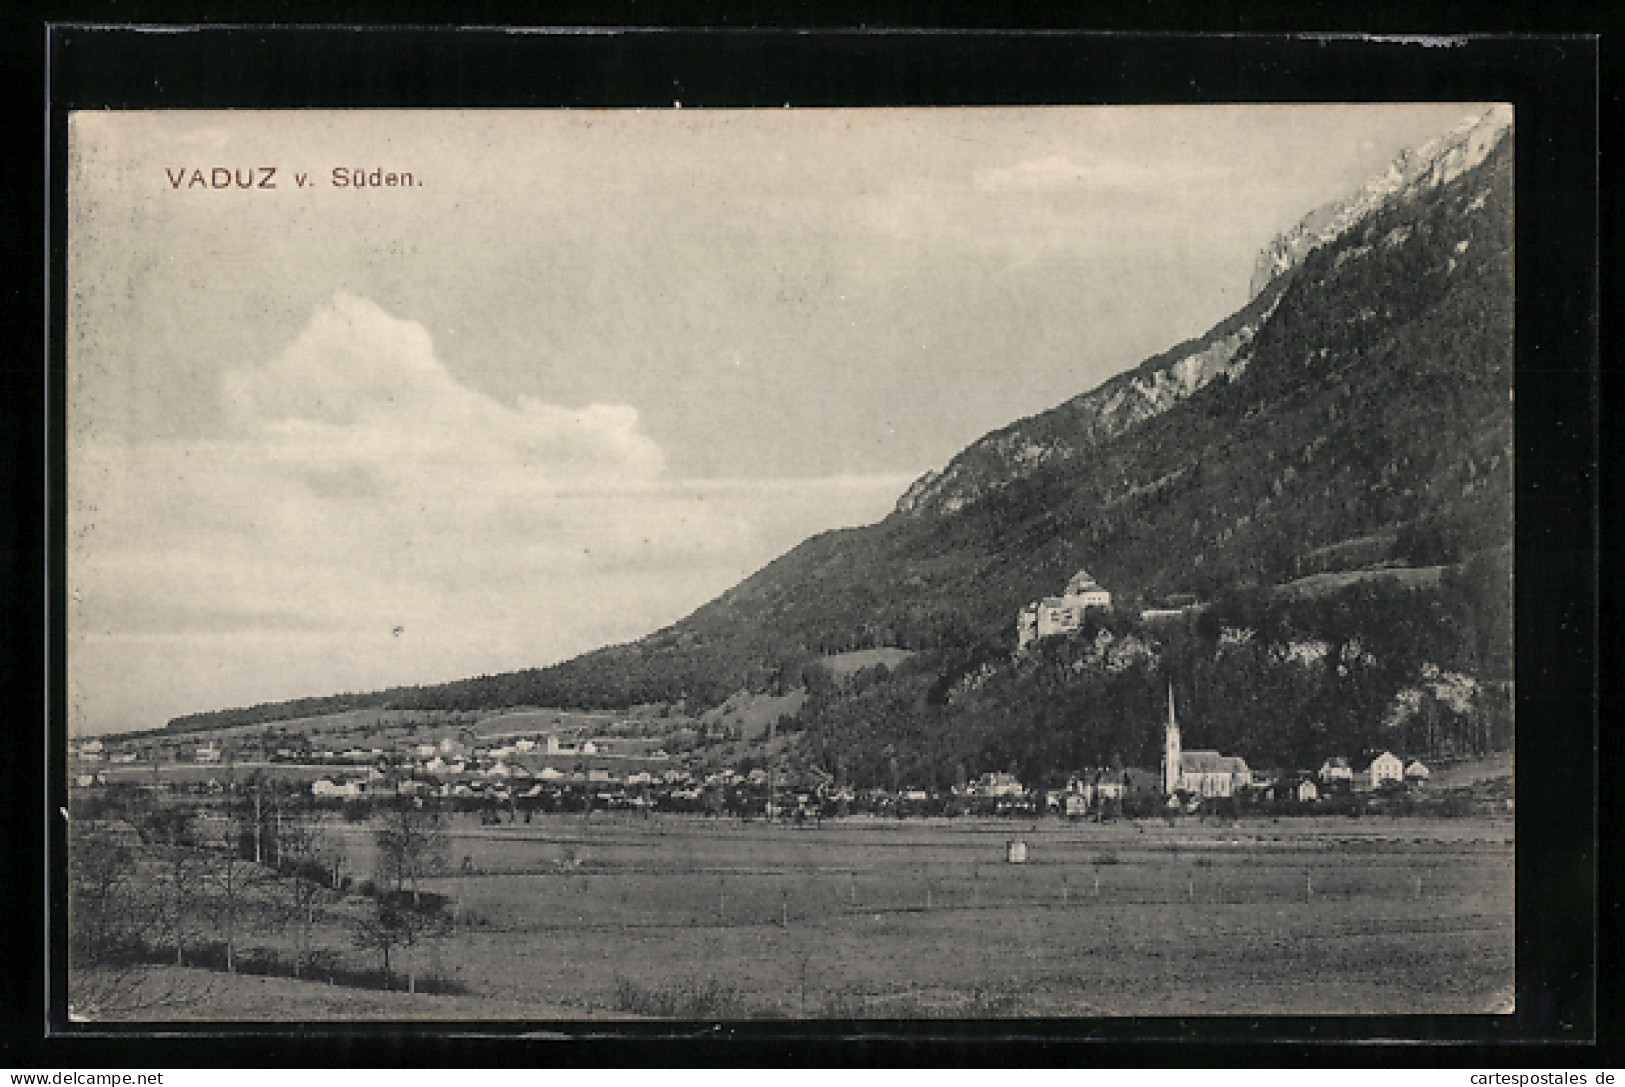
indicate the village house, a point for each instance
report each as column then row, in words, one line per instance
column 1384, row 768
column 207, row 753
column 1307, row 791
column 1093, row 786
column 1335, row 769
column 1060, row 614
column 997, row 784
column 347, row 790
column 1416, row 771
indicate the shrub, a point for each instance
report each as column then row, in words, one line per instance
column 710, row 999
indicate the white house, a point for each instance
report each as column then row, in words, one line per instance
column 1060, row 614
column 425, row 751
column 550, row 774
column 1416, row 771
column 1385, row 767
column 524, row 745
column 1336, row 768
column 1307, row 791
column 206, row 753
column 997, row 785
column 589, row 748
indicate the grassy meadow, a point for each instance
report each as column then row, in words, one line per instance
column 690, row 917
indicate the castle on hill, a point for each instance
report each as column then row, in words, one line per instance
column 1060, row 614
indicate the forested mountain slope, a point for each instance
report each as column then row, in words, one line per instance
column 1364, row 393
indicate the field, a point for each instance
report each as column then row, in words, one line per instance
column 870, row 918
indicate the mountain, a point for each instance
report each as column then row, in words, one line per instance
column 1356, row 411
column 1070, row 431
column 1412, row 174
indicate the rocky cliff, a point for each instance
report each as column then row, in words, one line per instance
column 1416, row 171
column 1069, row 432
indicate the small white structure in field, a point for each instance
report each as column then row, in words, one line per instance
column 425, row 751
column 1307, row 792
column 524, row 745
column 1384, row 768
column 1416, row 771
column 1015, row 851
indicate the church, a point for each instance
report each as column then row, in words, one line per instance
column 1060, row 614
column 1198, row 773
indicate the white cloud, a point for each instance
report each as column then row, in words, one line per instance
column 373, row 521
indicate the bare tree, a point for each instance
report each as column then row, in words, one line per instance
column 304, row 858
column 179, row 871
column 233, row 886
column 411, row 844
column 112, row 915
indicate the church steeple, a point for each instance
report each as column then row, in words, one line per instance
column 1171, row 768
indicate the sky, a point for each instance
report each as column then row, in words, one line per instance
column 589, row 368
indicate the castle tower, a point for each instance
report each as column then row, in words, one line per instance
column 1170, row 749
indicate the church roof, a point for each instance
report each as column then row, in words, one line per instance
column 1210, row 762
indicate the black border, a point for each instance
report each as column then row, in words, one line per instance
column 1551, row 80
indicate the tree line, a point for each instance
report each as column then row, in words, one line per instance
column 153, row 880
